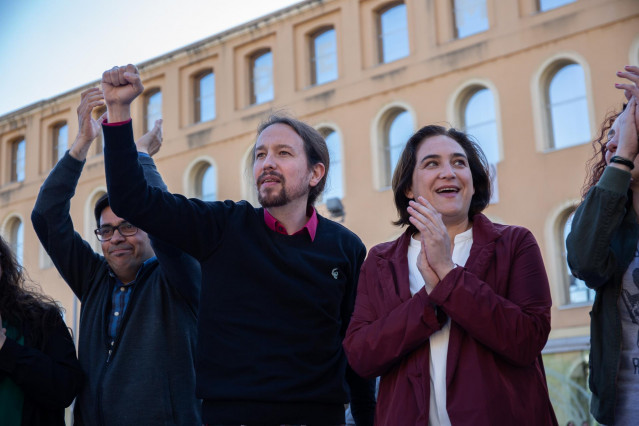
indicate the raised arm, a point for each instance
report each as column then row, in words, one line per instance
column 72, row 256
column 182, row 271
column 191, row 225
column 591, row 255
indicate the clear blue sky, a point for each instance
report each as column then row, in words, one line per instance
column 48, row 47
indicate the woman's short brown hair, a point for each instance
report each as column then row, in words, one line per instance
column 403, row 176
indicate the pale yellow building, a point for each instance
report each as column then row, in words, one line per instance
column 532, row 80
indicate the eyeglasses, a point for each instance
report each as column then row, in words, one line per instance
column 105, row 233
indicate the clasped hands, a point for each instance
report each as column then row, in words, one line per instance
column 435, row 258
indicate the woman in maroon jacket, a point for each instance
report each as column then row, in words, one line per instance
column 452, row 315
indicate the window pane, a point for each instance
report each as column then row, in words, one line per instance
column 208, row 185
column 18, row 160
column 61, row 140
column 470, row 17
column 399, row 131
column 480, row 121
column 393, row 34
column 325, row 57
column 262, row 83
column 552, row 4
column 577, row 290
column 335, row 180
column 17, row 239
column 153, row 109
column 568, row 109
column 207, row 97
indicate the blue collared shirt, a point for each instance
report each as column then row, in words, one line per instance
column 119, row 302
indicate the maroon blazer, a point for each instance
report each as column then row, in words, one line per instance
column 499, row 306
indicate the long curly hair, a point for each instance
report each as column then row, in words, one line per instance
column 21, row 303
column 596, row 165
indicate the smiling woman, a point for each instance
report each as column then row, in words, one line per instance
column 457, row 304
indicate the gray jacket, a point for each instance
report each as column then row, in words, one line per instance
column 150, row 376
column 601, row 245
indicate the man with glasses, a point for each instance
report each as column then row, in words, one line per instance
column 139, row 308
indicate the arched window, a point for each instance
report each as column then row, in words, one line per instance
column 479, row 120
column 470, row 17
column 152, row 108
column 204, row 96
column 59, row 142
column 15, row 231
column 18, row 152
column 567, row 106
column 262, row 77
column 205, row 182
column 335, row 180
column 392, row 33
column 324, row 56
column 397, row 129
column 576, row 290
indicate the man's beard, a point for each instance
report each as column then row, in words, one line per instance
column 282, row 198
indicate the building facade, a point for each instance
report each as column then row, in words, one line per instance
column 531, row 79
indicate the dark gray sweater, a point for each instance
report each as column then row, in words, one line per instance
column 150, row 377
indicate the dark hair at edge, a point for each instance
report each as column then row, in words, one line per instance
column 101, row 204
column 314, row 146
column 596, row 165
column 24, row 306
column 403, row 176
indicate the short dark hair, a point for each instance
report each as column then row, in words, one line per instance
column 101, row 204
column 403, row 176
column 314, row 146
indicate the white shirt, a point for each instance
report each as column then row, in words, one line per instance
column 438, row 340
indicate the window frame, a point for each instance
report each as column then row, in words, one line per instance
column 456, row 27
column 14, row 176
column 55, row 142
column 326, row 130
column 253, row 58
column 541, row 9
column 147, row 98
column 313, row 54
column 566, row 276
column 379, row 31
column 198, row 98
column 547, row 106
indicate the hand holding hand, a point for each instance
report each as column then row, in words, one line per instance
column 121, row 85
column 151, row 142
column 89, row 128
column 436, row 244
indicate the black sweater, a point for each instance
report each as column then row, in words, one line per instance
column 273, row 310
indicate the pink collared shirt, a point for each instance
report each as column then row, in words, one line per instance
column 310, row 227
